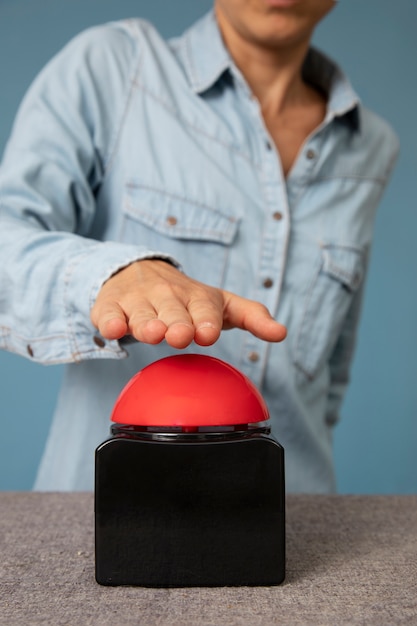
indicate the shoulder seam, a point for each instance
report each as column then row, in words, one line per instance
column 132, row 80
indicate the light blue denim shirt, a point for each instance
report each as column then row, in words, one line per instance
column 127, row 147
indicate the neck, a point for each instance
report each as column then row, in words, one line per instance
column 274, row 74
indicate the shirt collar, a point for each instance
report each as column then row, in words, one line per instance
column 342, row 100
column 205, row 69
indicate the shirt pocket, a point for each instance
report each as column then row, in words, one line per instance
column 337, row 277
column 196, row 234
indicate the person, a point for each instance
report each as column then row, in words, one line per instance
column 156, row 193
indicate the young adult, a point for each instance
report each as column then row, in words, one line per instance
column 156, row 193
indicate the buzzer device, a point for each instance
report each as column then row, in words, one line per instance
column 189, row 488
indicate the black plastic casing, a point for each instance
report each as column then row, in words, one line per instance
column 181, row 509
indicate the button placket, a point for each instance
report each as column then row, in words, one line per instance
column 309, row 155
column 272, row 261
column 275, row 236
column 273, row 245
column 253, row 356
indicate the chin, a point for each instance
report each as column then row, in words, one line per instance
column 278, row 33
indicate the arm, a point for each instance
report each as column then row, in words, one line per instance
column 55, row 161
column 53, row 273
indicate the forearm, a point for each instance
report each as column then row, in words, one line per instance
column 49, row 283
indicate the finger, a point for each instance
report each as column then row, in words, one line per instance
column 206, row 334
column 169, row 320
column 253, row 317
column 179, row 334
column 206, row 312
column 110, row 320
column 144, row 324
column 174, row 314
column 150, row 331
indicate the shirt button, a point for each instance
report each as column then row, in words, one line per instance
column 99, row 341
column 171, row 220
column 268, row 145
column 253, row 357
column 310, row 154
column 29, row 350
column 277, row 216
column 267, row 283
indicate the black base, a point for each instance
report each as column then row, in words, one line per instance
column 190, row 511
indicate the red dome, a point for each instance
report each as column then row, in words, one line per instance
column 189, row 390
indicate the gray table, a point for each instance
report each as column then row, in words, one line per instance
column 350, row 560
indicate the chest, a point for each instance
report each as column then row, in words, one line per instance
column 290, row 130
column 205, row 189
column 201, row 169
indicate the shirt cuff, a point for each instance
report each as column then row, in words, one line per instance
column 87, row 274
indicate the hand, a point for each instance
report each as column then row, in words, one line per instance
column 152, row 300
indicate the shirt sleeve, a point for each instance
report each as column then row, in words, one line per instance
column 53, row 166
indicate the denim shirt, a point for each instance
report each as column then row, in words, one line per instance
column 127, row 147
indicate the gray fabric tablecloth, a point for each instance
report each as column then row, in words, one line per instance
column 350, row 560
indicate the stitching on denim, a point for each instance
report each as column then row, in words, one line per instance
column 338, row 244
column 370, row 179
column 181, row 233
column 284, row 205
column 80, row 355
column 113, row 145
column 190, row 67
column 339, row 272
column 10, row 338
column 180, row 198
column 197, row 129
column 10, row 333
column 309, row 184
column 188, row 60
column 202, row 233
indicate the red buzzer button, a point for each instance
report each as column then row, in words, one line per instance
column 189, row 390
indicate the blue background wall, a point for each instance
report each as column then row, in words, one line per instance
column 376, row 443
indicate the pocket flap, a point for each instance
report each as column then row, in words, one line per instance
column 178, row 217
column 344, row 263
